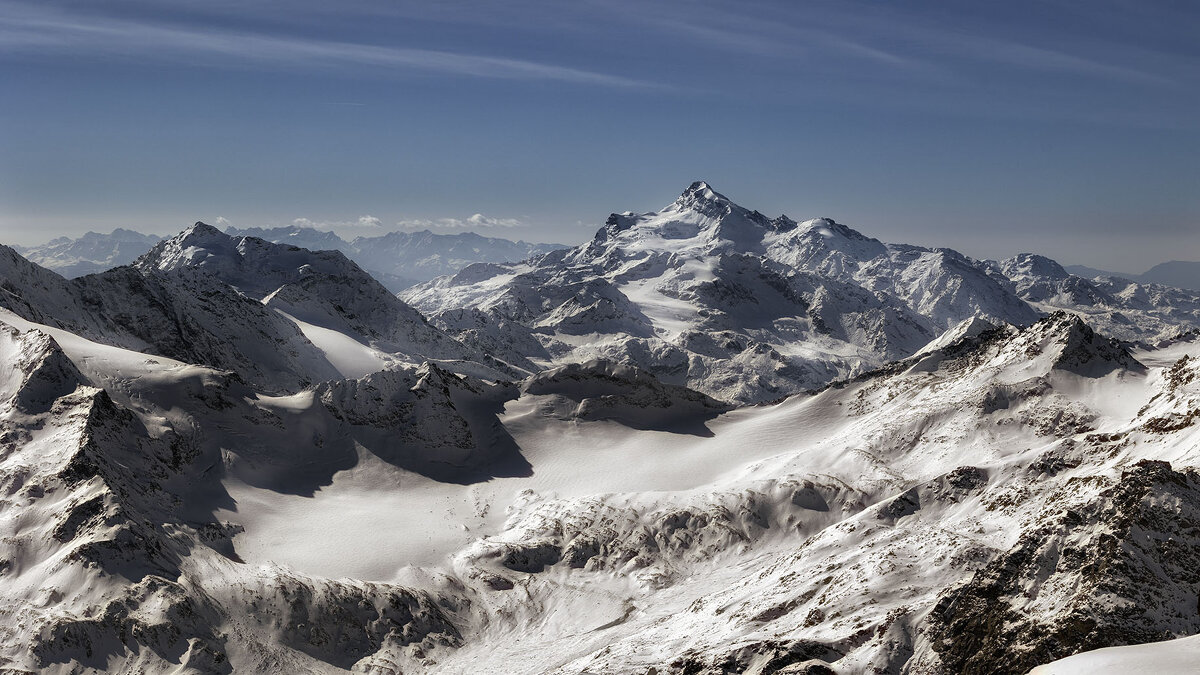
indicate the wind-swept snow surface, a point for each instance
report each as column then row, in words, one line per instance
column 1173, row 656
column 419, row 520
column 238, row 456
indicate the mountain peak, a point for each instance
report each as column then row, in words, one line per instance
column 701, row 194
column 1077, row 347
column 200, row 234
column 203, row 229
column 701, row 188
column 186, row 249
column 1031, row 264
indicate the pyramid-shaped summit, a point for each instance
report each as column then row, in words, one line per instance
column 321, row 291
column 708, row 293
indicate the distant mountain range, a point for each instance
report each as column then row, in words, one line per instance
column 1177, row 273
column 402, row 259
column 90, row 253
column 396, row 259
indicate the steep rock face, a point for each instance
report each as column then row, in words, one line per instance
column 429, row 420
column 605, row 390
column 746, row 308
column 1118, row 569
column 84, row 499
column 195, row 318
column 1073, row 346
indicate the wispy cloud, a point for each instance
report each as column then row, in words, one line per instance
column 833, row 36
column 950, row 46
column 368, row 224
column 475, row 222
column 1050, row 60
column 755, row 37
column 363, row 222
column 30, row 30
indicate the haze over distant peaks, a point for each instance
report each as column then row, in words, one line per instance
column 396, row 259
column 1176, row 273
column 401, row 259
column 90, row 253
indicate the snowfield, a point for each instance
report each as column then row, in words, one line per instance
column 705, row 442
column 1173, row 656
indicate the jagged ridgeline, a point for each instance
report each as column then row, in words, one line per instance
column 706, row 441
column 747, row 308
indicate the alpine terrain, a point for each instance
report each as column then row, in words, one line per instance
column 397, row 259
column 707, row 441
column 749, row 308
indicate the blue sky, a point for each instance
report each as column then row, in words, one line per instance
column 1068, row 128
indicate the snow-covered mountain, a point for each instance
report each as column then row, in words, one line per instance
column 726, row 300
column 1119, row 307
column 994, row 503
column 986, row 507
column 188, row 315
column 328, row 296
column 241, row 456
column 749, row 308
column 402, row 259
column 114, row 557
column 93, row 252
column 280, row 316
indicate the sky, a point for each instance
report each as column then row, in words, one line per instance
column 1068, row 128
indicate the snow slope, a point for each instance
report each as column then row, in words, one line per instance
column 1172, row 656
column 419, row 520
